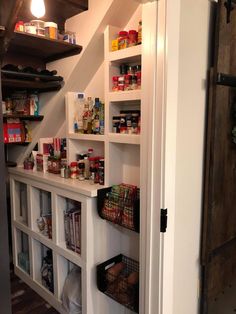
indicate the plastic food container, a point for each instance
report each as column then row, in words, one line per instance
column 30, row 28
column 50, row 30
column 40, row 29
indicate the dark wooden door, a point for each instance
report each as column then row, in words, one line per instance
column 219, row 217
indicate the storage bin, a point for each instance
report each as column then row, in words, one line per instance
column 119, row 210
column 119, row 279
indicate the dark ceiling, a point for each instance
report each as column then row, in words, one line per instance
column 57, row 11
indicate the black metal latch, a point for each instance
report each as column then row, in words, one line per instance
column 163, row 220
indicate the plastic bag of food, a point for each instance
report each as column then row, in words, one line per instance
column 71, row 294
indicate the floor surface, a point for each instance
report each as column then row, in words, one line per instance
column 26, row 301
column 225, row 303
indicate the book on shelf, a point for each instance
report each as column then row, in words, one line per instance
column 72, row 221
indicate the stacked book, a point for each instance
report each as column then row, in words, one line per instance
column 72, row 220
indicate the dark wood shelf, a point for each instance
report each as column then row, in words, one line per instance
column 43, row 48
column 23, row 117
column 18, row 143
column 31, row 85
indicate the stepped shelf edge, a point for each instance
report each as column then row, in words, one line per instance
column 73, row 185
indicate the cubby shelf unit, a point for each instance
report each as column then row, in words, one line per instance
column 25, row 187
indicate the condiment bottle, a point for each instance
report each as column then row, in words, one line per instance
column 140, row 32
column 81, row 167
column 73, row 170
column 86, row 168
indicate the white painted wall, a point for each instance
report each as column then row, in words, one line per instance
column 187, row 64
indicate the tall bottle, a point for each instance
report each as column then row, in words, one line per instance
column 101, row 118
column 90, row 114
column 80, row 109
column 96, row 121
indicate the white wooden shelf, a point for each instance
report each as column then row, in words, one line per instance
column 74, row 185
column 124, row 138
column 125, row 96
column 128, row 55
column 86, row 137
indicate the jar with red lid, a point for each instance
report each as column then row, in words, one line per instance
column 73, row 170
column 115, row 83
column 133, row 38
column 123, row 40
column 127, row 82
column 139, row 76
column 121, row 83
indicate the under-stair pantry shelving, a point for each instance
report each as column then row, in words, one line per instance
column 108, row 137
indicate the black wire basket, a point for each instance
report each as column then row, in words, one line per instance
column 121, row 209
column 118, row 278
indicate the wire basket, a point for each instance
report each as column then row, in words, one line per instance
column 119, row 279
column 121, row 207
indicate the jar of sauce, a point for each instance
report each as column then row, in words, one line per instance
column 133, row 38
column 123, row 40
column 73, row 170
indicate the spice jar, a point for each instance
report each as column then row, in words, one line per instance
column 123, row 69
column 123, row 40
column 138, row 75
column 121, row 83
column 140, row 32
column 135, row 119
column 116, row 124
column 133, row 38
column 81, row 167
column 134, row 82
column 50, row 30
column 9, row 105
column 115, row 83
column 127, row 82
column 130, row 70
column 73, row 170
column 30, row 28
column 123, row 126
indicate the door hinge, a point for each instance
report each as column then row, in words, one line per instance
column 163, row 220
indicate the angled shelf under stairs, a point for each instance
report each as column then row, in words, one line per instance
column 43, row 48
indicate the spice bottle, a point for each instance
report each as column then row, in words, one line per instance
column 81, row 167
column 115, row 83
column 140, row 32
column 86, row 168
column 73, row 170
column 121, row 83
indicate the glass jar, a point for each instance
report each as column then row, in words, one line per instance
column 116, row 124
column 115, row 83
column 140, row 32
column 123, row 126
column 121, row 83
column 127, row 83
column 73, row 170
column 123, row 40
column 9, row 105
column 81, row 167
column 134, row 82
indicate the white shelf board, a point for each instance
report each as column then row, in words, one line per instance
column 86, row 137
column 73, row 185
column 124, row 138
column 131, row 54
column 125, row 96
column 60, row 248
